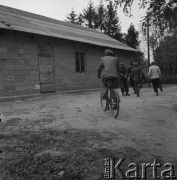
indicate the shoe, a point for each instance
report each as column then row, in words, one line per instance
column 123, row 94
column 107, row 108
column 161, row 89
column 157, row 93
column 127, row 94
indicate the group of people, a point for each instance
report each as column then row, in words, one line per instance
column 110, row 68
column 132, row 76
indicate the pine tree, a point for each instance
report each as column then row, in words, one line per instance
column 131, row 40
column 80, row 20
column 132, row 37
column 89, row 15
column 100, row 17
column 72, row 17
column 112, row 25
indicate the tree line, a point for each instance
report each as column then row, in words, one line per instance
column 105, row 19
column 162, row 15
column 165, row 55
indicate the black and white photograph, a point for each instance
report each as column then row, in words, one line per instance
column 88, row 89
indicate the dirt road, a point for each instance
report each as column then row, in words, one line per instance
column 67, row 136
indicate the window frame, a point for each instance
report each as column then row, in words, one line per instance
column 78, row 55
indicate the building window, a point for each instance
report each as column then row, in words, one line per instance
column 80, row 62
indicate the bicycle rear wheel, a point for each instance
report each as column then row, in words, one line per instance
column 114, row 103
column 104, row 102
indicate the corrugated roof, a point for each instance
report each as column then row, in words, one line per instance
column 18, row 20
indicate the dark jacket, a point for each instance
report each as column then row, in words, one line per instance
column 136, row 73
column 108, row 67
column 129, row 70
column 123, row 71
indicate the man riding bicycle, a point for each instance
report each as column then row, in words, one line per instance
column 108, row 69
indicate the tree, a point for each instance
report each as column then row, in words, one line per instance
column 72, row 17
column 100, row 17
column 132, row 37
column 80, row 20
column 165, row 56
column 112, row 25
column 89, row 15
column 163, row 13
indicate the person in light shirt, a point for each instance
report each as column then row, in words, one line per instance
column 154, row 75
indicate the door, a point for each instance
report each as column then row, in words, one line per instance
column 46, row 70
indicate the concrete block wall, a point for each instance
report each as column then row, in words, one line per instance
column 65, row 73
column 19, row 65
column 19, row 73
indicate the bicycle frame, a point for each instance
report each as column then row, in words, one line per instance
column 112, row 99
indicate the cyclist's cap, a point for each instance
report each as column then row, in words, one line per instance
column 108, row 52
column 135, row 64
column 153, row 63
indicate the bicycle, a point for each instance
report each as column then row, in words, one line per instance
column 110, row 100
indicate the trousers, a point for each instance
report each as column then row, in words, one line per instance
column 156, row 84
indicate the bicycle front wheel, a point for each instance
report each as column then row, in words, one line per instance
column 114, row 103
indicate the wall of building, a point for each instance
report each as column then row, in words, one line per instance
column 19, row 64
column 65, row 73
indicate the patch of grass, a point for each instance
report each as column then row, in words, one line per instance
column 30, row 155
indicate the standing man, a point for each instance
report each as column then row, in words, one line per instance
column 137, row 75
column 123, row 80
column 154, row 75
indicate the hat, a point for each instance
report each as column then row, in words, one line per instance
column 135, row 64
column 108, row 52
column 153, row 63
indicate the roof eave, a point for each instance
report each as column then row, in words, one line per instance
column 45, row 33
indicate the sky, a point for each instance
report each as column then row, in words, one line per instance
column 59, row 9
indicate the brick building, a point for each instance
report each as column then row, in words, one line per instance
column 39, row 54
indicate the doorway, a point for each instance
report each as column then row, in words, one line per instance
column 46, row 73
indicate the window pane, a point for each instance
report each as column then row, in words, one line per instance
column 77, row 68
column 82, row 59
column 80, row 64
column 77, row 62
column 82, row 68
